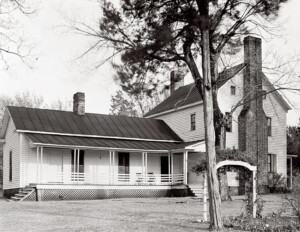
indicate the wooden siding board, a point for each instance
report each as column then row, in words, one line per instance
column 179, row 121
column 12, row 144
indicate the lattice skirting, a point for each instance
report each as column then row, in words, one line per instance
column 31, row 197
column 91, row 194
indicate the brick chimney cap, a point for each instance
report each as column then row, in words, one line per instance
column 252, row 38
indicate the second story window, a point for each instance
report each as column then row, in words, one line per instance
column 269, row 128
column 193, row 122
column 232, row 90
column 229, row 122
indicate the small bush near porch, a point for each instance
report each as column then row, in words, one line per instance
column 151, row 214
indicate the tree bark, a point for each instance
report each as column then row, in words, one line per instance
column 212, row 179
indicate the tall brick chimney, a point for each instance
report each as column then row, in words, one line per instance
column 176, row 80
column 79, row 103
column 253, row 137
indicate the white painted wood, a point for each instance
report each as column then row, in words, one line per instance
column 236, row 163
column 12, row 143
column 179, row 121
column 95, row 136
column 205, row 199
column 254, row 193
column 78, row 186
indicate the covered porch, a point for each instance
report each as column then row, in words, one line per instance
column 80, row 166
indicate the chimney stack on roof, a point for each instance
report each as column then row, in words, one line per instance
column 176, row 80
column 79, row 103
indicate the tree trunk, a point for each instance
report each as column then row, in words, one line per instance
column 212, row 179
column 220, row 126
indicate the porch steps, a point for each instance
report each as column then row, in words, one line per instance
column 23, row 193
column 197, row 191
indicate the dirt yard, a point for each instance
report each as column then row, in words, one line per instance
column 154, row 214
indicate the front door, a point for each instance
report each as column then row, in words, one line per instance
column 164, row 168
column 123, row 166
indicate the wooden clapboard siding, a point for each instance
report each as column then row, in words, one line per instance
column 97, row 162
column 227, row 102
column 277, row 141
column 178, row 163
column 180, row 122
column 12, row 143
column 26, row 160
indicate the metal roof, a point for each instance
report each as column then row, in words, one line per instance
column 65, row 122
column 103, row 143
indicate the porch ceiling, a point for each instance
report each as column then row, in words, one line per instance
column 103, row 143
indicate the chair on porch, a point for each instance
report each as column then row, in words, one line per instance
column 151, row 178
column 139, row 178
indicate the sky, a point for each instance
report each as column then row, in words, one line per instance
column 57, row 74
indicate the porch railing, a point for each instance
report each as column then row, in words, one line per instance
column 117, row 179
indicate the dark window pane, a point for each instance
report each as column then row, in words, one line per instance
column 232, row 90
column 269, row 123
column 193, row 122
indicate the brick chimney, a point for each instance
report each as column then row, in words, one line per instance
column 176, row 80
column 79, row 103
column 253, row 137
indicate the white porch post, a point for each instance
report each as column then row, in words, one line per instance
column 205, row 198
column 172, row 167
column 254, row 192
column 42, row 173
column 291, row 172
column 169, row 167
column 185, row 166
column 143, row 164
column 37, row 164
column 113, row 166
column 146, row 166
column 110, row 161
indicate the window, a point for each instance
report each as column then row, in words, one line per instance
column 228, row 122
column 263, row 94
column 10, row 166
column 193, row 122
column 77, row 167
column 232, row 90
column 272, row 163
column 269, row 125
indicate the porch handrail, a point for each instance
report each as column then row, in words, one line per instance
column 106, row 179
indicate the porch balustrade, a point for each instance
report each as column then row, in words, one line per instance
column 117, row 179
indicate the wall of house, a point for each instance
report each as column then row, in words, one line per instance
column 180, row 122
column 272, row 109
column 96, row 164
column 277, row 141
column 12, row 143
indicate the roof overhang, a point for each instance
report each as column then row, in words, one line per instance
column 58, row 141
column 174, row 109
column 292, row 156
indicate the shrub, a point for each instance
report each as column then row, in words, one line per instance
column 275, row 182
column 294, row 197
column 272, row 223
